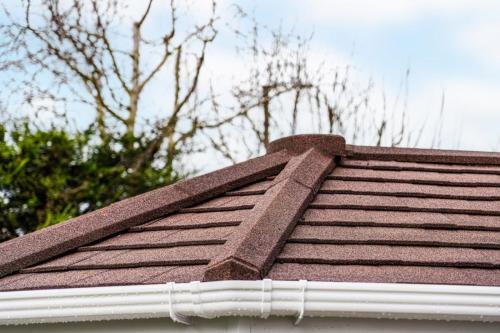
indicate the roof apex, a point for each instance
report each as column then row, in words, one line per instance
column 329, row 144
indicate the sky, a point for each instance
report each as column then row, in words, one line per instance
column 449, row 47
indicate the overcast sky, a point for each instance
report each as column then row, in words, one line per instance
column 450, row 46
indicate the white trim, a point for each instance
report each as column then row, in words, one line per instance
column 252, row 298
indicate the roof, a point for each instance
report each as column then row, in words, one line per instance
column 312, row 208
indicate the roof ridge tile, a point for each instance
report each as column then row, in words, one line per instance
column 328, row 144
column 263, row 233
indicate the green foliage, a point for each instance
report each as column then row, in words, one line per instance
column 48, row 176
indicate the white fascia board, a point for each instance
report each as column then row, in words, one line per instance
column 260, row 298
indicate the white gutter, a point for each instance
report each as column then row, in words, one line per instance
column 252, row 298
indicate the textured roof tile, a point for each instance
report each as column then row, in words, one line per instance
column 196, row 220
column 395, row 236
column 410, row 190
column 384, row 202
column 382, row 215
column 60, row 263
column 124, row 276
column 163, row 238
column 179, row 274
column 183, row 255
column 388, row 218
column 386, row 274
column 63, row 279
column 255, row 188
column 417, row 177
column 423, row 155
column 412, row 166
column 224, row 204
column 389, row 255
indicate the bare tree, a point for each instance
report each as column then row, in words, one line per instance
column 92, row 53
column 88, row 52
column 285, row 92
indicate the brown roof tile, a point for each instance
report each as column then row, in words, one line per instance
column 389, row 255
column 382, row 215
column 410, row 190
column 195, row 220
column 255, row 188
column 388, row 218
column 417, row 177
column 182, row 255
column 124, row 276
column 385, row 202
column 179, row 274
column 395, row 236
column 60, row 279
column 188, row 255
column 60, row 263
column 224, row 203
column 386, row 274
column 423, row 155
column 163, row 238
column 412, row 166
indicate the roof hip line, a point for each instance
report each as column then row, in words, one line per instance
column 250, row 253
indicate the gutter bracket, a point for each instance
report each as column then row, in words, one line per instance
column 176, row 317
column 302, row 301
column 265, row 305
column 196, row 300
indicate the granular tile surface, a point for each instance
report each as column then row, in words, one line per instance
column 177, row 248
column 313, row 208
column 394, row 221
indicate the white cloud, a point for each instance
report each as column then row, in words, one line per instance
column 369, row 12
column 480, row 39
column 471, row 113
